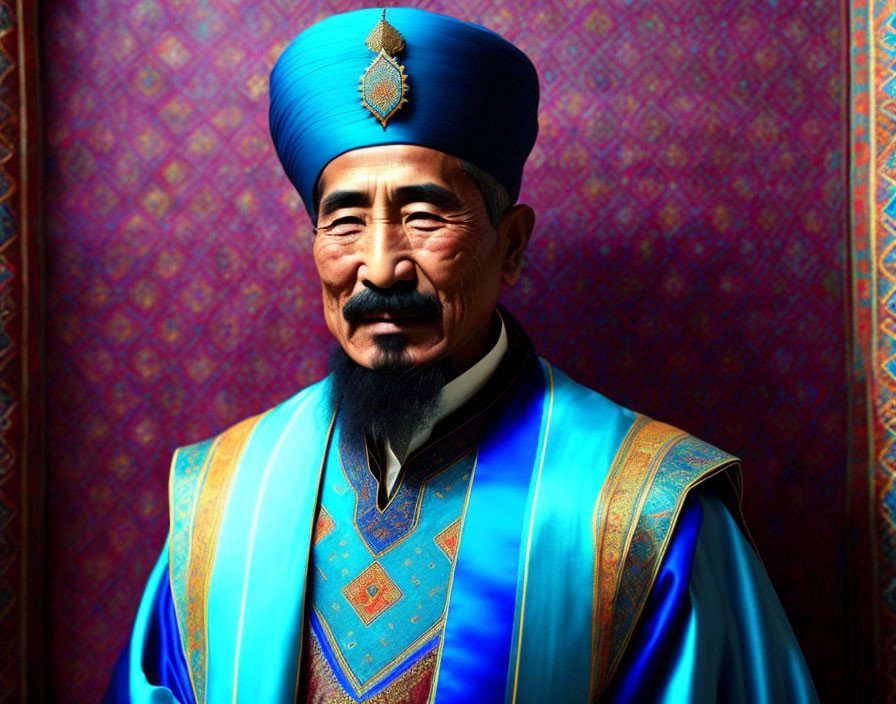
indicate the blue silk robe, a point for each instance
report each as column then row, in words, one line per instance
column 597, row 556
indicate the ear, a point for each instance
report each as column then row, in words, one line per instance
column 515, row 228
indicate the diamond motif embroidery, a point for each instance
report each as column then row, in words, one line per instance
column 371, row 593
column 447, row 540
column 383, row 87
column 324, row 526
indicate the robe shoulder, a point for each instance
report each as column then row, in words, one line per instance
column 652, row 461
column 654, row 467
column 691, row 613
column 202, row 493
column 311, row 399
column 713, row 628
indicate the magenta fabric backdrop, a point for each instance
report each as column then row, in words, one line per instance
column 689, row 261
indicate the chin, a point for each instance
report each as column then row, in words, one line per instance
column 413, row 354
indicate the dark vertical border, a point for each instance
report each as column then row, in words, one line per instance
column 12, row 568
column 21, row 305
column 34, row 667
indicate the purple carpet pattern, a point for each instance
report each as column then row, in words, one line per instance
column 689, row 261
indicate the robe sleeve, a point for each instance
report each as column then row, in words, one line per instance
column 713, row 629
column 152, row 668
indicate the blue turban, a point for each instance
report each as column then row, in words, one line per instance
column 471, row 94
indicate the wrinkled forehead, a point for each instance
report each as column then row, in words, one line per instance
column 392, row 165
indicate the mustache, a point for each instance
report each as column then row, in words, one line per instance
column 402, row 301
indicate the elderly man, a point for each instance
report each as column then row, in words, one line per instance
column 445, row 517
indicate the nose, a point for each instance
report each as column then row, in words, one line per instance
column 386, row 256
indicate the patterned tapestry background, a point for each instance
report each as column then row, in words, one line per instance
column 873, row 358
column 689, row 261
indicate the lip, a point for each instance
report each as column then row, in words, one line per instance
column 390, row 322
column 391, row 318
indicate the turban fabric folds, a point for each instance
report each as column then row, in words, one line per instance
column 471, row 94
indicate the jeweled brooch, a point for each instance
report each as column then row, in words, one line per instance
column 384, row 85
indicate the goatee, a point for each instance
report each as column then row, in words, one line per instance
column 390, row 401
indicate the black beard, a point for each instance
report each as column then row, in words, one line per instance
column 392, row 400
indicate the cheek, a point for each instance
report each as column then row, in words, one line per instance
column 336, row 269
column 457, row 260
column 334, row 266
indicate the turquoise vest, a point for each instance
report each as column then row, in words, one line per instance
column 570, row 508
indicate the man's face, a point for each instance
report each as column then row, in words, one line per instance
column 403, row 217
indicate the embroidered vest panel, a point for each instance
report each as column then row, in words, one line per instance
column 378, row 590
column 322, row 686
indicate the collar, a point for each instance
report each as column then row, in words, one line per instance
column 454, row 395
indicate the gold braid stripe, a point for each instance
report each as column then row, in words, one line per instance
column 189, row 468
column 615, row 515
column 655, row 468
column 211, row 504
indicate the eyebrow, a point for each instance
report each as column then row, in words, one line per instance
column 342, row 199
column 429, row 193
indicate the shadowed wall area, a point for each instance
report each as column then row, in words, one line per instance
column 689, row 261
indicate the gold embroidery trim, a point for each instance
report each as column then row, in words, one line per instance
column 617, row 517
column 418, row 506
column 175, row 529
column 207, row 524
column 614, row 524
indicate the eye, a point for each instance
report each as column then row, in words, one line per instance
column 346, row 225
column 421, row 220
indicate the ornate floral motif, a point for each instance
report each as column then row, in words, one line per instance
column 384, row 85
column 371, row 593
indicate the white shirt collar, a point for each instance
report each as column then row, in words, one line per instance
column 454, row 395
